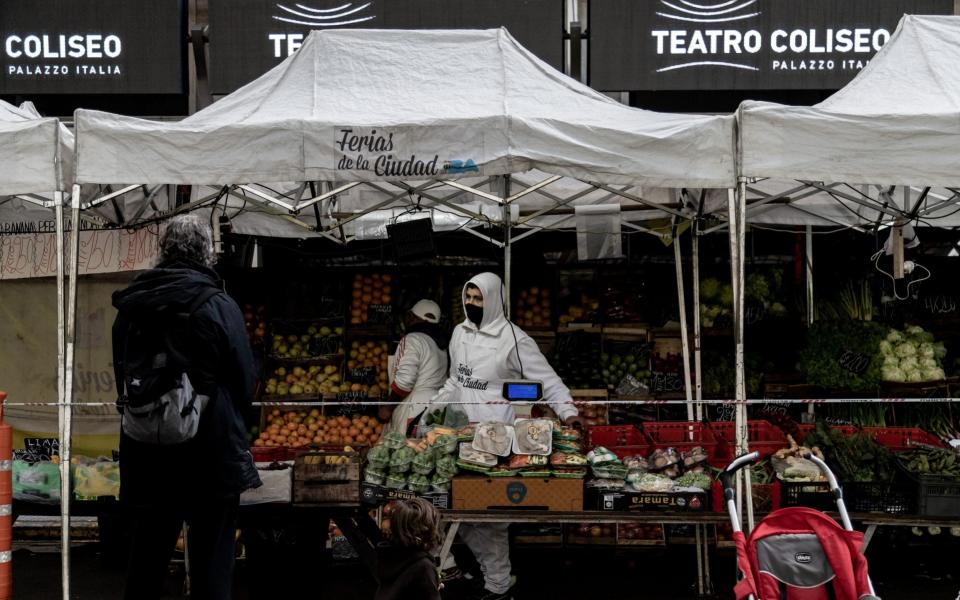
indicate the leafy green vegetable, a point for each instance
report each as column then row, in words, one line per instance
column 828, row 341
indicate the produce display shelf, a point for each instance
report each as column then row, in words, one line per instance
column 898, row 439
column 889, row 498
column 305, row 360
column 805, row 429
column 764, row 438
column 682, row 436
column 622, row 440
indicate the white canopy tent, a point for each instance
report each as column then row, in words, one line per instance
column 35, row 168
column 896, row 124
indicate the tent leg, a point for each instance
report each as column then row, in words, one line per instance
column 684, row 337
column 698, row 376
column 810, row 300
column 507, row 249
column 58, row 211
column 71, row 338
column 737, row 210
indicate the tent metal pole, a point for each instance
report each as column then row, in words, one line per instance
column 684, row 333
column 58, row 211
column 507, row 248
column 71, row 340
column 809, row 281
column 739, row 312
column 697, row 370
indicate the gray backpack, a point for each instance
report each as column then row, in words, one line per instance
column 158, row 403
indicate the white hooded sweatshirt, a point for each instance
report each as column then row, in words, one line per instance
column 482, row 359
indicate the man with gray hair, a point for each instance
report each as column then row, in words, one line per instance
column 185, row 378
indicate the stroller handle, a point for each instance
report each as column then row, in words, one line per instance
column 726, row 476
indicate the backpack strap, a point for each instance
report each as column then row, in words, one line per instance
column 118, row 365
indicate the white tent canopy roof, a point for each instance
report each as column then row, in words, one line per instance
column 31, row 149
column 455, row 95
column 896, row 123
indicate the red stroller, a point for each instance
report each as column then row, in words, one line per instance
column 798, row 553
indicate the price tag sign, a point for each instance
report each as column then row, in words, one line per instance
column 855, row 362
column 362, row 375
column 379, row 313
column 662, row 383
column 37, row 449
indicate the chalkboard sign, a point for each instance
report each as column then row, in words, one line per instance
column 855, row 362
column 324, row 345
column 664, row 383
column 37, row 449
column 328, row 307
column 726, row 412
column 754, row 312
column 379, row 313
column 362, row 375
column 939, row 304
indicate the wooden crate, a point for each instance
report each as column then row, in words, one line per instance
column 315, row 482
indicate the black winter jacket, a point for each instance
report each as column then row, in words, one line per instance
column 217, row 462
column 406, row 574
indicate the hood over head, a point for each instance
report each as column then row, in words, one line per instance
column 494, row 298
column 173, row 284
column 393, row 560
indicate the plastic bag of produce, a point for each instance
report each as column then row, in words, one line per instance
column 564, row 459
column 636, row 463
column 695, row 456
column 469, row 454
column 651, row 482
column 396, row 481
column 466, row 434
column 96, row 478
column 446, row 444
column 567, row 446
column 525, row 461
column 609, row 471
column 36, row 482
column 379, row 456
column 691, row 480
column 440, row 484
column 419, row 484
column 600, row 456
column 568, row 434
column 401, row 459
column 663, row 459
column 533, row 436
column 424, row 463
column 794, row 468
column 394, row 440
column 374, row 476
column 494, row 438
column 447, row 466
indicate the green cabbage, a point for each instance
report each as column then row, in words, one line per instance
column 894, row 337
column 894, row 374
column 906, row 349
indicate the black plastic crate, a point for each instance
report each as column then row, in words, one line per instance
column 812, row 494
column 889, row 498
column 938, row 496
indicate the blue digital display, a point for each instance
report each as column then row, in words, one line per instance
column 523, row 391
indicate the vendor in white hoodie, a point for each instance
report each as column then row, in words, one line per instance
column 419, row 366
column 486, row 350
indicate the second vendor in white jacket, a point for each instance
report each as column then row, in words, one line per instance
column 419, row 366
column 486, row 350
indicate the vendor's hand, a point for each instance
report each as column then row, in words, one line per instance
column 574, row 421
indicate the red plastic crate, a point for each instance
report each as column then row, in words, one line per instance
column 622, row 440
column 766, row 497
column 806, row 428
column 899, row 439
column 682, row 436
column 270, row 454
column 762, row 436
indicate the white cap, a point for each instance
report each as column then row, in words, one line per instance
column 428, row 310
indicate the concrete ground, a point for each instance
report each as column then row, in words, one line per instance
column 903, row 567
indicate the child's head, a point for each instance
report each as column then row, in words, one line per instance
column 415, row 524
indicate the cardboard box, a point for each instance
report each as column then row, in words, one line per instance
column 520, row 493
column 628, row 501
column 376, row 495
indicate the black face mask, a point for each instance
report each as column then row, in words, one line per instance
column 474, row 314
